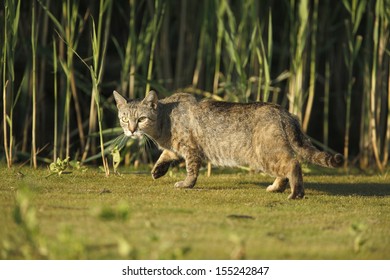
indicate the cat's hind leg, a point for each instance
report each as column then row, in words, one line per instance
column 288, row 170
column 163, row 163
column 279, row 185
column 296, row 180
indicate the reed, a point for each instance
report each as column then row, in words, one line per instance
column 218, row 45
column 326, row 104
column 387, row 139
column 298, row 42
column 34, row 43
column 351, row 51
column 375, row 98
column 159, row 9
column 99, row 47
column 383, row 52
column 364, row 143
column 264, row 59
column 69, row 16
column 374, row 111
column 313, row 64
column 55, row 105
column 4, row 88
column 10, row 30
column 287, row 52
column 201, row 49
column 128, row 56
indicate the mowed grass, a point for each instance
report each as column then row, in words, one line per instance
column 227, row 216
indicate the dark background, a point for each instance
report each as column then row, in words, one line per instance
column 346, row 45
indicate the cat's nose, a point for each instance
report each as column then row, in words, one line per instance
column 132, row 127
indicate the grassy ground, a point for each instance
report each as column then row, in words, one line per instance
column 227, row 216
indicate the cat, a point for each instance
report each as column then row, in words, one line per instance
column 263, row 136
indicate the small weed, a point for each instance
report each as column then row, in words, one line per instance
column 118, row 212
column 76, row 165
column 28, row 243
column 116, row 159
column 68, row 245
column 358, row 232
column 60, row 167
column 239, row 252
column 125, row 249
column 134, row 217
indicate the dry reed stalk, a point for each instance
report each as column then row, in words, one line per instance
column 55, row 92
column 326, row 103
column 313, row 59
column 34, row 43
column 373, row 103
column 351, row 50
column 5, row 128
column 157, row 21
column 298, row 55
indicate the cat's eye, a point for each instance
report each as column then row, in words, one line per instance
column 124, row 119
column 142, row 119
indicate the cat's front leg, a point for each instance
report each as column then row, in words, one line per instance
column 162, row 165
column 193, row 162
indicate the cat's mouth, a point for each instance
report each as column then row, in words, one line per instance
column 134, row 135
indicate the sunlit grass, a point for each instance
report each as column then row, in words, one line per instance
column 84, row 215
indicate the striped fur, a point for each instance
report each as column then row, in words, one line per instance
column 263, row 136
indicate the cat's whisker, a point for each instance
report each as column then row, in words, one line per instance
column 144, row 143
column 119, row 142
column 147, row 143
column 150, row 139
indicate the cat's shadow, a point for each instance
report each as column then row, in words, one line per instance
column 336, row 189
column 355, row 189
column 342, row 189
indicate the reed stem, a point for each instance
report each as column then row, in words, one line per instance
column 34, row 43
column 157, row 20
column 373, row 103
column 326, row 103
column 5, row 83
column 351, row 50
column 312, row 81
column 55, row 91
column 218, row 44
column 225, row 50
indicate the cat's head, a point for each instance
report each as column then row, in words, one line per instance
column 137, row 117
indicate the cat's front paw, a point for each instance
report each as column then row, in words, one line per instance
column 273, row 188
column 160, row 170
column 184, row 185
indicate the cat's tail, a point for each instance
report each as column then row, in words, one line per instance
column 305, row 149
column 312, row 155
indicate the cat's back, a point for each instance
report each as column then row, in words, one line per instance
column 179, row 98
column 211, row 108
column 227, row 132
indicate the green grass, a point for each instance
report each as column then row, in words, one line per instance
column 84, row 215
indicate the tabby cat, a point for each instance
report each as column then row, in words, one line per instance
column 263, row 136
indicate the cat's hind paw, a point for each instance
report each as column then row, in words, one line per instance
column 184, row 185
column 299, row 195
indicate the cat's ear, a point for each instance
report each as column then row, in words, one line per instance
column 151, row 100
column 120, row 100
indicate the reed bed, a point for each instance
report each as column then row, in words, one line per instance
column 328, row 62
